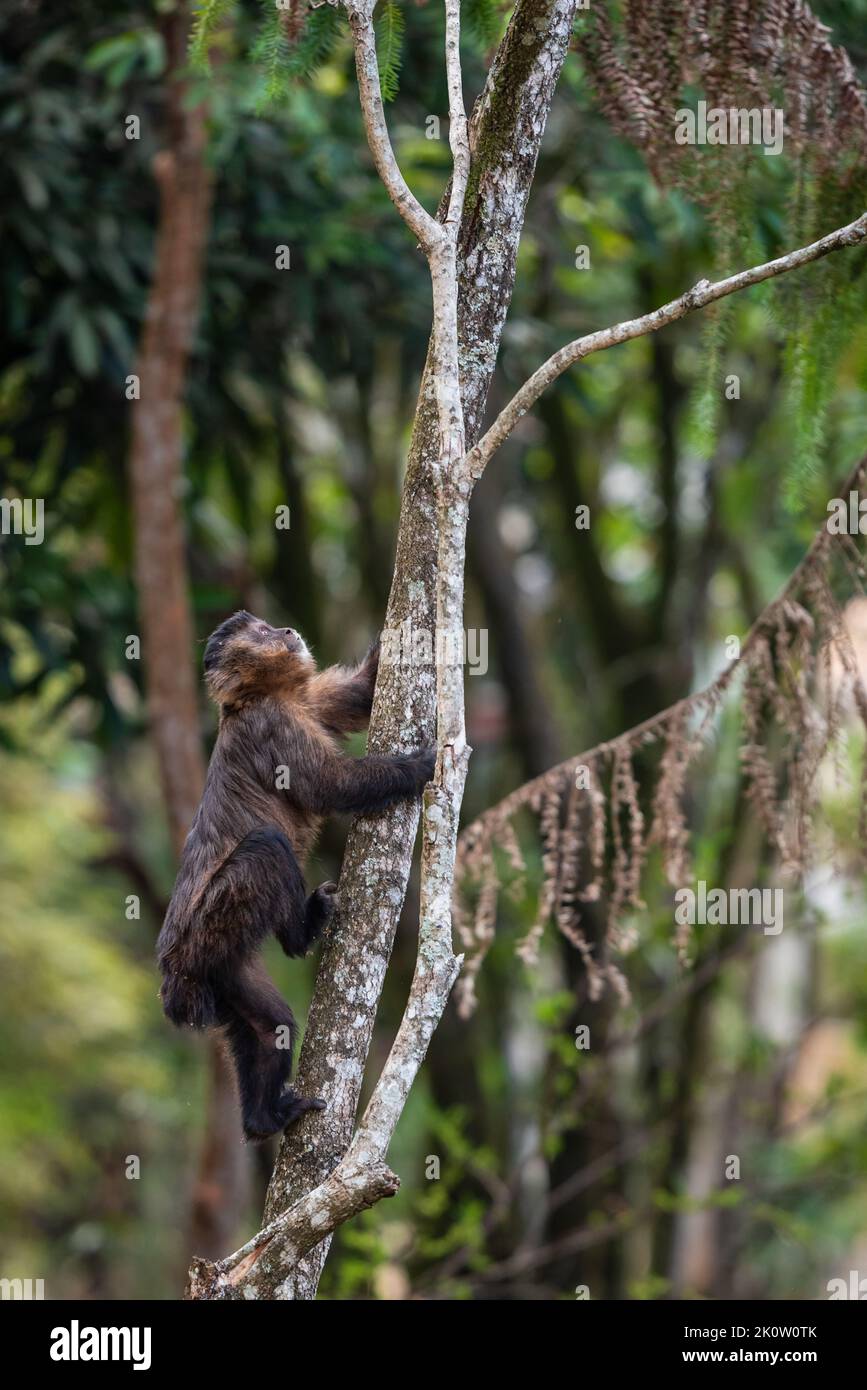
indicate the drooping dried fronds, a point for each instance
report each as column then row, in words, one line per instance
column 567, row 912
column 668, row 827
column 800, row 674
column 596, row 834
column 549, row 832
column 629, row 851
column 737, row 55
column 760, row 776
column 691, row 85
column 477, row 940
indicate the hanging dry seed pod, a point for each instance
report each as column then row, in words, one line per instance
column 760, row 779
column 618, row 982
column 507, row 839
column 628, row 862
column 771, row 665
column 570, row 856
column 620, row 859
column 668, row 823
column 469, row 863
column 593, row 890
column 480, row 939
column 566, row 912
column 549, row 830
column 637, row 847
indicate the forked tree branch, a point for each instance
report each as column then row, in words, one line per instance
column 425, row 227
column 698, row 297
column 506, row 130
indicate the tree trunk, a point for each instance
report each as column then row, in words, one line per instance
column 506, row 132
column 155, row 471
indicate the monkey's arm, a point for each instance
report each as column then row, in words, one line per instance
column 342, row 696
column 359, row 785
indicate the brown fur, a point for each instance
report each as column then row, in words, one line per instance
column 240, row 874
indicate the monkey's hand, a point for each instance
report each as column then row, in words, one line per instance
column 370, row 664
column 424, row 762
column 320, row 908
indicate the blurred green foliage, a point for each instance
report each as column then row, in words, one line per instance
column 301, row 389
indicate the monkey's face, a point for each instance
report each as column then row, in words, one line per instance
column 246, row 658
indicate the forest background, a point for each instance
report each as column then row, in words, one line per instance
column 556, row 1167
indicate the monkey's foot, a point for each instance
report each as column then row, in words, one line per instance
column 324, row 899
column 294, row 1106
column 320, row 909
column 289, row 1108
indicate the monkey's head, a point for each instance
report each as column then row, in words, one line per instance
column 246, row 659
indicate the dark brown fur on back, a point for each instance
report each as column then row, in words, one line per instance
column 275, row 771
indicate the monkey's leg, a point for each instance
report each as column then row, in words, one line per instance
column 318, row 910
column 260, row 888
column 260, row 1031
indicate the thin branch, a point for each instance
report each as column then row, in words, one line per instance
column 425, row 227
column 459, row 139
column 698, row 297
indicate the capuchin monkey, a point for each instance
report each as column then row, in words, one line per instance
column 275, row 772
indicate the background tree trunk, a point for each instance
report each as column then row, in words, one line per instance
column 155, row 470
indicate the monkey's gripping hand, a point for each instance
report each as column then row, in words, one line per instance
column 370, row 664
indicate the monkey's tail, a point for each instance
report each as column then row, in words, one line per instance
column 189, row 1000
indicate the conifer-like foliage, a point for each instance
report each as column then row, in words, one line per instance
column 649, row 59
column 296, row 37
column 389, row 44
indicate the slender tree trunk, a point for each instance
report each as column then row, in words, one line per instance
column 155, row 470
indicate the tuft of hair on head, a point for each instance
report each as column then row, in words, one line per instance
column 222, row 634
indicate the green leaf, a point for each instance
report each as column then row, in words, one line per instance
column 389, row 45
column 207, row 18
